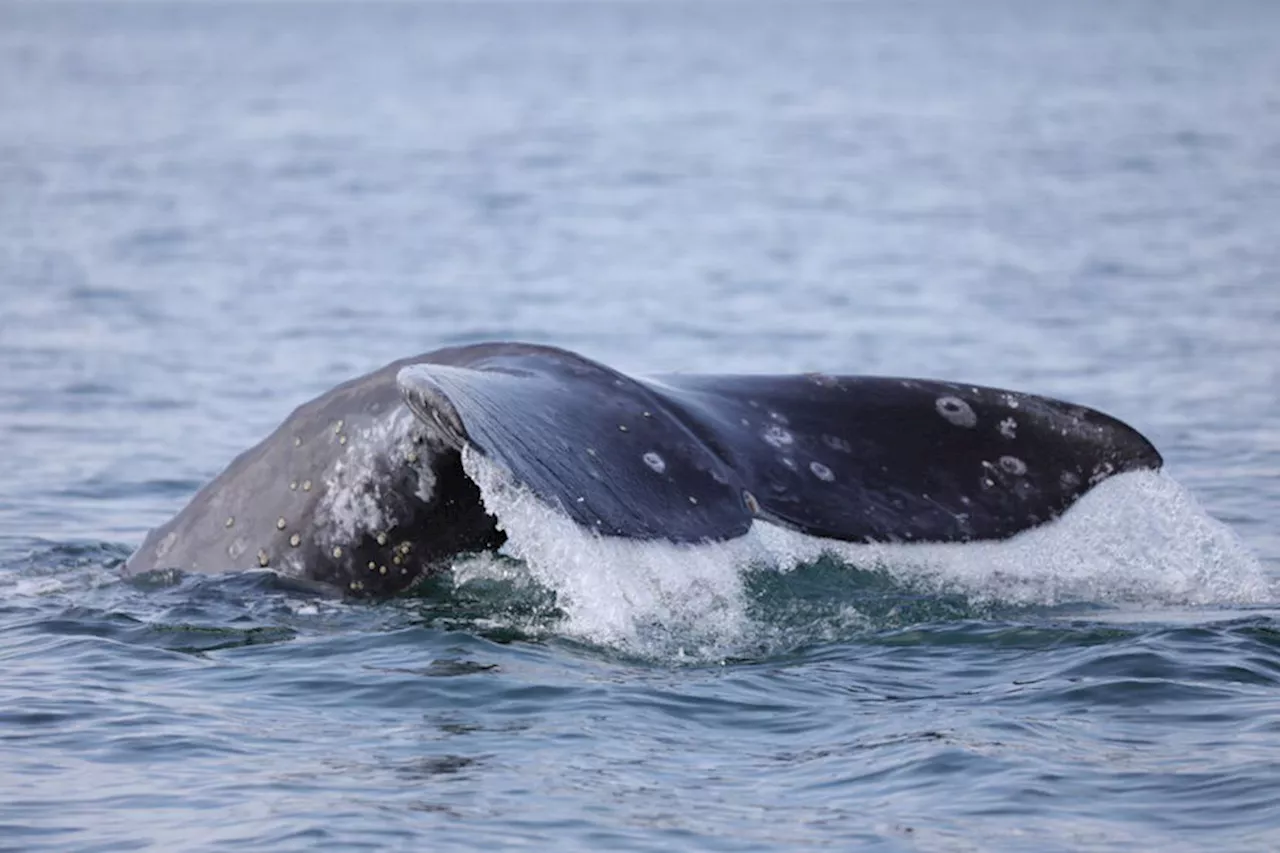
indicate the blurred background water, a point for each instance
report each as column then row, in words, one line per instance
column 211, row 212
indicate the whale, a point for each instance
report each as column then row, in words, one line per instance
column 365, row 488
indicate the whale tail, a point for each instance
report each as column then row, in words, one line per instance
column 692, row 458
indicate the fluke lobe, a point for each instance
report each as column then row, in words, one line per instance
column 364, row 487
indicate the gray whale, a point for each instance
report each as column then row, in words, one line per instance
column 363, row 488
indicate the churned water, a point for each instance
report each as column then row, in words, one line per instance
column 211, row 212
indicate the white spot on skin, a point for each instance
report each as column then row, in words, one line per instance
column 263, row 559
column 956, row 411
column 306, row 485
column 780, row 418
column 295, row 540
column 337, row 552
column 1013, row 465
column 776, row 436
column 1009, row 428
column 753, row 505
column 1069, row 479
column 654, row 461
column 280, row 523
column 835, row 442
column 230, row 521
column 822, row 472
column 622, row 427
column 165, row 544
column 789, row 463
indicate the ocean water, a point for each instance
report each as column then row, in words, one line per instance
column 211, row 212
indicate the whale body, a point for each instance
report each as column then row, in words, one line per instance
column 364, row 488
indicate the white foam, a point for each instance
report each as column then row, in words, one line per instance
column 620, row 592
column 1136, row 539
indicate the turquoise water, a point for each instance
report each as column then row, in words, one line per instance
column 210, row 213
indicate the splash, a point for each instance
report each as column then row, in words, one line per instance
column 1137, row 540
column 1134, row 539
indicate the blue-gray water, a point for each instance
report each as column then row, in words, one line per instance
column 211, row 212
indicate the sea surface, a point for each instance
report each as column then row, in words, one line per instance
column 211, row 212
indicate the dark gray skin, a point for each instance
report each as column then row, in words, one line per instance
column 268, row 508
column 364, row 487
